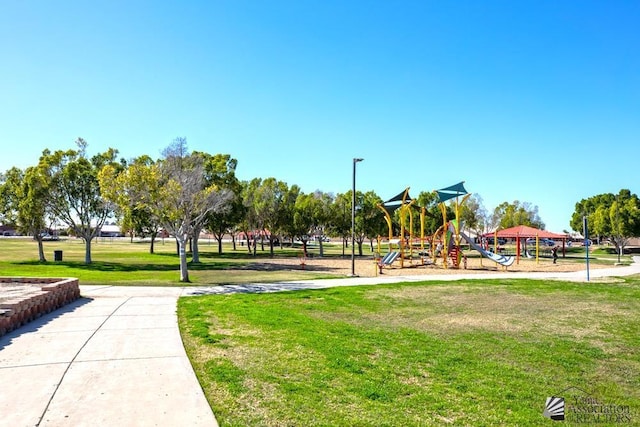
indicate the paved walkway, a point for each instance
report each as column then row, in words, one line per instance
column 112, row 358
column 115, row 357
column 579, row 276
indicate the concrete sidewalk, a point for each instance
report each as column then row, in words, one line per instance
column 112, row 358
column 578, row 276
column 115, row 357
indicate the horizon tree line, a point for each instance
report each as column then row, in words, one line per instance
column 185, row 193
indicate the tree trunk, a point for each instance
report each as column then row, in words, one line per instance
column 321, row 248
column 233, row 241
column 182, row 250
column 195, row 251
column 41, row 250
column 153, row 241
column 219, row 239
column 87, row 250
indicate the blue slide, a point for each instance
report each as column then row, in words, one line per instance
column 500, row 259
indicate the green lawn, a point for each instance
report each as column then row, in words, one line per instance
column 120, row 262
column 467, row 353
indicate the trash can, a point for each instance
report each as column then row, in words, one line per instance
column 57, row 255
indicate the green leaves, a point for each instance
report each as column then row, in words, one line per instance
column 74, row 192
column 609, row 215
column 508, row 215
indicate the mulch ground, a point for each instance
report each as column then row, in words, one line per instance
column 366, row 267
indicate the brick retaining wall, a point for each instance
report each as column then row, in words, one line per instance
column 43, row 295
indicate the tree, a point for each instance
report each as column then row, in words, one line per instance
column 74, row 195
column 371, row 218
column 32, row 206
column 609, row 215
column 474, row 215
column 9, row 197
column 287, row 224
column 369, row 221
column 252, row 221
column 185, row 199
column 322, row 216
column 135, row 190
column 286, row 211
column 225, row 222
column 24, row 196
column 507, row 215
column 340, row 224
column 303, row 218
column 311, row 213
column 220, row 171
column 266, row 200
column 595, row 210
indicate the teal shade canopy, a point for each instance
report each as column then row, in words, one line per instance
column 452, row 191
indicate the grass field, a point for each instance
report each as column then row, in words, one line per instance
column 468, row 353
column 120, row 262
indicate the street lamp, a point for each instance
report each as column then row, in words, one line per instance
column 353, row 218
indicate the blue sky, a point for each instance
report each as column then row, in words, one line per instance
column 536, row 101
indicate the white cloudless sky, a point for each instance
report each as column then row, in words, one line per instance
column 535, row 101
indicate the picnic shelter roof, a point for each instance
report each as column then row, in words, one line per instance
column 526, row 232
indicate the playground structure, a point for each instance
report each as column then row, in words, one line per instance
column 449, row 233
column 404, row 246
column 445, row 243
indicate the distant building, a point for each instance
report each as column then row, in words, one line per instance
column 7, row 230
column 110, row 230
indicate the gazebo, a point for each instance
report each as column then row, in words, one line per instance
column 524, row 231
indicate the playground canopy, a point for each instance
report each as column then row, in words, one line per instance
column 397, row 201
column 452, row 191
column 524, row 231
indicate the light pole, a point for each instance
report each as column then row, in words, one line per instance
column 353, row 218
column 585, row 232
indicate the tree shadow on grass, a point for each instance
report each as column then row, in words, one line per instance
column 247, row 264
column 244, row 256
column 129, row 267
